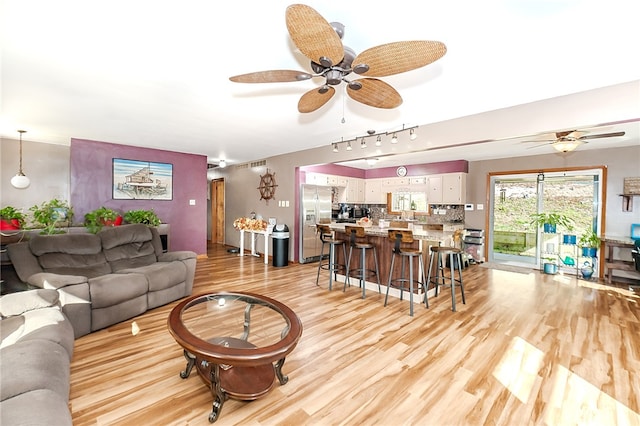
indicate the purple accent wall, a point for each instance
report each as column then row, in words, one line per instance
column 91, row 188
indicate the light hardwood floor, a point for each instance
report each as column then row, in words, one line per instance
column 525, row 349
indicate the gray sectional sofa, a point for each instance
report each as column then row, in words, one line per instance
column 36, row 346
column 105, row 278
column 85, row 282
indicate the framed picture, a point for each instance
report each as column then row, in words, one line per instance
column 142, row 180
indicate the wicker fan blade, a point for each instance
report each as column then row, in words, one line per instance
column 375, row 93
column 313, row 35
column 603, row 135
column 314, row 99
column 273, row 76
column 398, row 57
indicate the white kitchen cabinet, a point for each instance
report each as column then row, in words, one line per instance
column 340, row 181
column 448, row 188
column 355, row 190
column 373, row 192
column 317, row 179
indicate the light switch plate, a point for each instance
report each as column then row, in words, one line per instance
column 479, row 206
column 192, row 202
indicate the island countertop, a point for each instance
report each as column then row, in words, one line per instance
column 444, row 237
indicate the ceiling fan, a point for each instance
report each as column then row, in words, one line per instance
column 567, row 141
column 321, row 42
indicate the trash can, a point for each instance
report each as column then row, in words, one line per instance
column 280, row 236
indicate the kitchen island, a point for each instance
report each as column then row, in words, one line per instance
column 379, row 237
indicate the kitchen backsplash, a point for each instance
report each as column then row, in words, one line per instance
column 452, row 213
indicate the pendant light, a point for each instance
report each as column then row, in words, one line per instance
column 20, row 181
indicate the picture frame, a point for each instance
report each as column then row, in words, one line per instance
column 142, row 180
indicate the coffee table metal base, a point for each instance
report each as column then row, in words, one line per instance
column 243, row 383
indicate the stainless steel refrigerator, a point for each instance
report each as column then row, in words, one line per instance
column 315, row 207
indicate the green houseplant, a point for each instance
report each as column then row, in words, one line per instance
column 147, row 217
column 550, row 221
column 51, row 215
column 11, row 218
column 103, row 216
column 590, row 242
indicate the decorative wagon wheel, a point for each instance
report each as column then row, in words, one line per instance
column 267, row 186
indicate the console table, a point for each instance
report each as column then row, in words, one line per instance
column 254, row 234
column 611, row 263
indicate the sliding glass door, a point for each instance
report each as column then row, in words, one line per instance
column 515, row 198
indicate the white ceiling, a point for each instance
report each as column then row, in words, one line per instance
column 155, row 73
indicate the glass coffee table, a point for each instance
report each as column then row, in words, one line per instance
column 237, row 342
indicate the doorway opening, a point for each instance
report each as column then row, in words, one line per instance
column 516, row 197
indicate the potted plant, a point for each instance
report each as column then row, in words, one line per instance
column 590, row 242
column 550, row 221
column 52, row 215
column 103, row 216
column 11, row 219
column 550, row 265
column 148, row 217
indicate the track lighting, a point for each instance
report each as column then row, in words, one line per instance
column 363, row 143
column 20, row 181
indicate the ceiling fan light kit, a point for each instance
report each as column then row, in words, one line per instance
column 321, row 42
column 569, row 140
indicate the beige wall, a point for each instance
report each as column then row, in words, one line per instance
column 46, row 165
column 242, row 196
column 620, row 162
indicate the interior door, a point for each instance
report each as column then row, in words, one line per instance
column 217, row 211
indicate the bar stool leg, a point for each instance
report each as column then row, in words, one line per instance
column 460, row 275
column 363, row 274
column 347, row 282
column 410, row 259
column 320, row 264
column 393, row 259
column 375, row 261
column 425, row 284
column 453, row 282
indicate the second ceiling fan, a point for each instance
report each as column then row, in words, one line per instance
column 321, row 42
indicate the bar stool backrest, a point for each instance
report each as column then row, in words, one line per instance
column 354, row 232
column 324, row 231
column 399, row 236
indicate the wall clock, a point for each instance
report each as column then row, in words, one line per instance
column 267, row 186
column 401, row 171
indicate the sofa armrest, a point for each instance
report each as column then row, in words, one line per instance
column 55, row 281
column 23, row 301
column 24, row 262
column 176, row 255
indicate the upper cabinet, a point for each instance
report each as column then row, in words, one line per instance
column 355, row 192
column 325, row 180
column 373, row 192
column 450, row 188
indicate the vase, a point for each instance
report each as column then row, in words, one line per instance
column 586, row 270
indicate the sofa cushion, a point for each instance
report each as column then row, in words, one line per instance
column 113, row 289
column 38, row 407
column 70, row 254
column 34, row 364
column 41, row 324
column 18, row 303
column 128, row 246
column 161, row 275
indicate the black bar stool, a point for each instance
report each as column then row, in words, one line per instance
column 409, row 254
column 439, row 255
column 331, row 264
column 362, row 273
